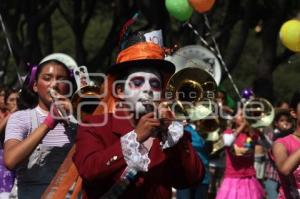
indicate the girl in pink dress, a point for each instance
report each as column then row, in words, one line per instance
column 286, row 153
column 240, row 177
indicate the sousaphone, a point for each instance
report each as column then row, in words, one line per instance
column 197, row 56
column 192, row 91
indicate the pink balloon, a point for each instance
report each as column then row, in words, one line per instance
column 202, row 5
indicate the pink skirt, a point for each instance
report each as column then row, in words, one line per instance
column 240, row 188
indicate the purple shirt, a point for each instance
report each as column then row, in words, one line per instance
column 7, row 177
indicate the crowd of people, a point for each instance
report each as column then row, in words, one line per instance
column 133, row 145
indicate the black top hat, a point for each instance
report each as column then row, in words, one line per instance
column 138, row 53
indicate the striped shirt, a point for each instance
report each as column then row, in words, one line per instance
column 271, row 171
column 19, row 126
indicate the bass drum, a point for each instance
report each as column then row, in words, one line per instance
column 197, row 56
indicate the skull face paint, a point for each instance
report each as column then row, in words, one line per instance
column 142, row 87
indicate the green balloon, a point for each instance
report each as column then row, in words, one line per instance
column 180, row 9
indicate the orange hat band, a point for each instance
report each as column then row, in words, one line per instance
column 143, row 50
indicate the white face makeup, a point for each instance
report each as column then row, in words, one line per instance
column 142, row 86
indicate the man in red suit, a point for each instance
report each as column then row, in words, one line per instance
column 125, row 151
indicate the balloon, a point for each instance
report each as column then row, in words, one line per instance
column 202, row 5
column 290, row 35
column 247, row 93
column 180, row 9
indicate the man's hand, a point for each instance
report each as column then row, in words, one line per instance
column 145, row 126
column 166, row 117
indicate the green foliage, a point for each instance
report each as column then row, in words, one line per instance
column 286, row 78
column 63, row 36
column 244, row 74
column 97, row 31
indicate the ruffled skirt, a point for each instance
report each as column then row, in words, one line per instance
column 240, row 188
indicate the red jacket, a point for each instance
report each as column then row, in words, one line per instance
column 100, row 162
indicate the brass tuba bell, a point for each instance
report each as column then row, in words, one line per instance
column 192, row 90
column 86, row 99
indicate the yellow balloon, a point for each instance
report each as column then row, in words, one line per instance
column 290, row 35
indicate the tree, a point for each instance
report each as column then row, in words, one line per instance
column 31, row 33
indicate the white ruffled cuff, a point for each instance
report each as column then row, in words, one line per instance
column 135, row 154
column 228, row 139
column 175, row 132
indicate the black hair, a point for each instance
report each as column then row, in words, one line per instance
column 280, row 103
column 28, row 98
column 281, row 113
column 295, row 100
column 41, row 66
column 3, row 88
column 123, row 75
column 225, row 95
column 8, row 92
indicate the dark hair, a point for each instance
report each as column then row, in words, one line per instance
column 8, row 92
column 3, row 88
column 41, row 66
column 123, row 75
column 224, row 93
column 281, row 113
column 280, row 103
column 28, row 98
column 295, row 100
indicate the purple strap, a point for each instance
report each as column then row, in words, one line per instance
column 32, row 76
